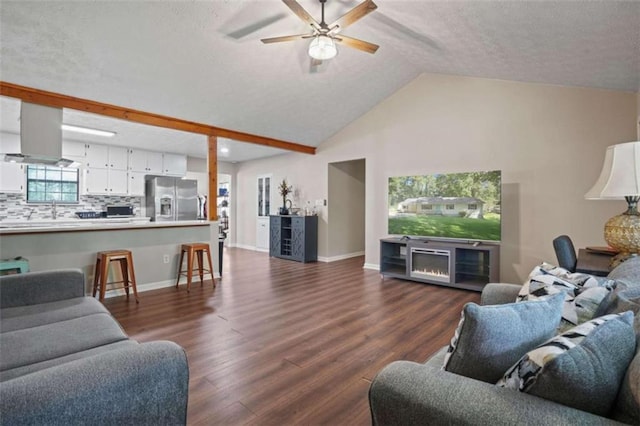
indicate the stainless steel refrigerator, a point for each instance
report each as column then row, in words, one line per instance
column 171, row 199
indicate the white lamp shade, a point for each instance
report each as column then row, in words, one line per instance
column 620, row 176
column 322, row 47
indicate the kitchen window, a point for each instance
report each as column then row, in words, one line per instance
column 46, row 183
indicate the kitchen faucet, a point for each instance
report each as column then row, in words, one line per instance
column 54, row 213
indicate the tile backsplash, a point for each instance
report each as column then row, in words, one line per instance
column 15, row 207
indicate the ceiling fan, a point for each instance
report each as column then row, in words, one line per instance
column 324, row 37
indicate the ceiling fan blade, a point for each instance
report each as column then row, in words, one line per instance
column 353, row 15
column 365, row 46
column 285, row 38
column 302, row 14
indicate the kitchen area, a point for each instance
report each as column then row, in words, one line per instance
column 66, row 195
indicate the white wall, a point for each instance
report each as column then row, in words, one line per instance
column 549, row 142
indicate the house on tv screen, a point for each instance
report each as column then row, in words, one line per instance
column 443, row 206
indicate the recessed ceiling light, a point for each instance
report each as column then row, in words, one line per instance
column 87, row 130
column 224, row 150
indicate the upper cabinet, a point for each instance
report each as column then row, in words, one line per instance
column 118, row 158
column 148, row 162
column 174, row 164
column 12, row 177
column 96, row 156
column 74, row 151
column 112, row 170
column 106, row 157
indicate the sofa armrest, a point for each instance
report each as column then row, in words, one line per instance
column 33, row 288
column 144, row 385
column 499, row 293
column 408, row 393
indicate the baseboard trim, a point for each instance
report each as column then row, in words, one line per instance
column 340, row 257
column 252, row 248
column 372, row 266
column 152, row 286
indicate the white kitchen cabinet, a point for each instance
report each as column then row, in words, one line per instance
column 136, row 184
column 106, row 157
column 96, row 181
column 74, row 151
column 149, row 162
column 174, row 164
column 118, row 157
column 118, row 181
column 97, row 156
column 105, row 181
column 12, row 177
column 106, row 171
column 154, row 162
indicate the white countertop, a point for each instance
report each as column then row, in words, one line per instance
column 73, row 224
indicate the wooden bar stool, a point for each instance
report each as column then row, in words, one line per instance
column 103, row 260
column 194, row 250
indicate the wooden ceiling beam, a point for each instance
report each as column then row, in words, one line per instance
column 43, row 97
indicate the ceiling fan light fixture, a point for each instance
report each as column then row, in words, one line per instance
column 322, row 47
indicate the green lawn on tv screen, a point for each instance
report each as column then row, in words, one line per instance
column 447, row 226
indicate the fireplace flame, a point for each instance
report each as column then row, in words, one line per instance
column 432, row 272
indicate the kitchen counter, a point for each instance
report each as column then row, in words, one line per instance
column 71, row 225
column 73, row 243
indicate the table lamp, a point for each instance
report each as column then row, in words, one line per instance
column 620, row 179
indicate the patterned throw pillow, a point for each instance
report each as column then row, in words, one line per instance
column 581, row 368
column 491, row 338
column 583, row 292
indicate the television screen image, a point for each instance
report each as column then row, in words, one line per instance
column 458, row 206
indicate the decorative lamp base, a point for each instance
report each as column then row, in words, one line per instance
column 622, row 232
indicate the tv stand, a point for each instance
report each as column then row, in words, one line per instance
column 468, row 266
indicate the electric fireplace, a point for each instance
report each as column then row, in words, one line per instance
column 430, row 264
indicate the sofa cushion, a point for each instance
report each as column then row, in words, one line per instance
column 489, row 339
column 38, row 366
column 48, row 341
column 626, row 298
column 581, row 368
column 627, row 407
column 583, row 292
column 21, row 317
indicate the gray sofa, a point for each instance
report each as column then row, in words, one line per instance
column 64, row 360
column 409, row 393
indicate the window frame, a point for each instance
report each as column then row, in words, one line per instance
column 47, row 181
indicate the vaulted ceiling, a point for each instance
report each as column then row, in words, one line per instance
column 203, row 61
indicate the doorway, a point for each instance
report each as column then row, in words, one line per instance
column 346, row 210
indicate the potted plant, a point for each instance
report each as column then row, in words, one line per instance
column 284, row 190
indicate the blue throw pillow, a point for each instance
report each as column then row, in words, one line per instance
column 489, row 339
column 581, row 368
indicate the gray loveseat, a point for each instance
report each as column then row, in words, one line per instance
column 409, row 393
column 64, row 360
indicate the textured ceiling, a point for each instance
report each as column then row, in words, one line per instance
column 203, row 61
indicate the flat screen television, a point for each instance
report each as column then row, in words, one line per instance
column 448, row 206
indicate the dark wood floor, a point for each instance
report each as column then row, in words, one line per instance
column 280, row 342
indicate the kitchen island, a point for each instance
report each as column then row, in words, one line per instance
column 70, row 225
column 73, row 243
